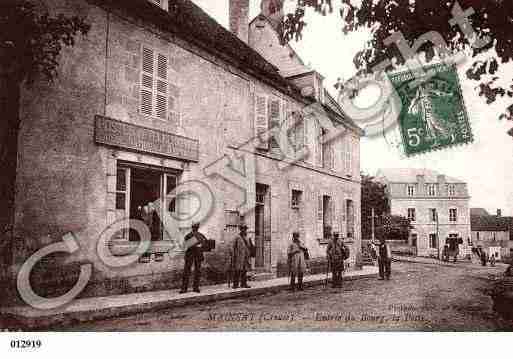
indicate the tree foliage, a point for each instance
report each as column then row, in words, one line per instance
column 493, row 18
column 31, row 40
column 386, row 226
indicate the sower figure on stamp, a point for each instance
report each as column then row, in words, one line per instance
column 335, row 253
column 297, row 262
column 193, row 255
column 241, row 258
column 384, row 260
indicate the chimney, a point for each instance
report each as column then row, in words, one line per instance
column 273, row 11
column 239, row 19
column 499, row 212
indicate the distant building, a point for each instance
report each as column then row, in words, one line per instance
column 436, row 204
column 492, row 233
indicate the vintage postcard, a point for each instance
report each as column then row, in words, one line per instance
column 255, row 165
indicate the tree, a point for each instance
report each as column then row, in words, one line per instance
column 30, row 43
column 373, row 197
column 492, row 18
column 386, row 225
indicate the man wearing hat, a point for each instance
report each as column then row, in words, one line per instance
column 297, row 262
column 241, row 258
column 194, row 242
column 335, row 253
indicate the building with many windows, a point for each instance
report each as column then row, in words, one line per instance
column 436, row 204
column 159, row 95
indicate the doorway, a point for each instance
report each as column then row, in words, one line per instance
column 263, row 227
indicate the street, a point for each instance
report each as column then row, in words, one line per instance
column 419, row 297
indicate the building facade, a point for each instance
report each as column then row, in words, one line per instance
column 159, row 97
column 492, row 233
column 436, row 204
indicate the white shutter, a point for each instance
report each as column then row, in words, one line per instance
column 274, row 121
column 318, row 145
column 320, row 217
column 261, row 122
column 162, row 88
column 147, row 81
column 154, row 84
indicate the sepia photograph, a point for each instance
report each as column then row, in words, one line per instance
column 249, row 166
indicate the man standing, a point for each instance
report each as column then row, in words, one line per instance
column 297, row 262
column 240, row 258
column 335, row 253
column 384, row 260
column 194, row 242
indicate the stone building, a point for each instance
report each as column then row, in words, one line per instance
column 157, row 96
column 436, row 204
column 492, row 233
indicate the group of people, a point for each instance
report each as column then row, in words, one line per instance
column 242, row 251
column 297, row 255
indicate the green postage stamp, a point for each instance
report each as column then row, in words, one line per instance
column 433, row 114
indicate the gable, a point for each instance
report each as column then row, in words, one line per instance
column 265, row 40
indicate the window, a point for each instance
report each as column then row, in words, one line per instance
column 327, row 221
column 433, row 214
column 411, row 190
column 453, row 215
column 432, row 241
column 350, row 220
column 154, row 84
column 451, row 190
column 431, row 190
column 414, row 238
column 296, row 199
column 411, row 214
column 477, row 235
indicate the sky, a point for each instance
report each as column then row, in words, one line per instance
column 486, row 164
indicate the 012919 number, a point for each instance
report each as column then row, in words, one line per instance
column 26, row 344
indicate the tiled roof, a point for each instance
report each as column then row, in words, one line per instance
column 479, row 212
column 491, row 223
column 409, row 175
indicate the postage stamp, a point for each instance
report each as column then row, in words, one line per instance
column 433, row 114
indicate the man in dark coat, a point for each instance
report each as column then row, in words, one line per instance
column 384, row 260
column 194, row 242
column 241, row 258
column 335, row 253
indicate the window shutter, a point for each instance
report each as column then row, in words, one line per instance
column 162, row 87
column 320, row 217
column 261, row 122
column 320, row 209
column 274, row 121
column 147, row 82
column 318, row 152
column 154, row 84
column 349, row 155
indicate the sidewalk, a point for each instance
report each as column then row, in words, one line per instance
column 427, row 260
column 91, row 309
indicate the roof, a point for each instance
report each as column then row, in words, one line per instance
column 479, row 212
column 491, row 223
column 409, row 175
